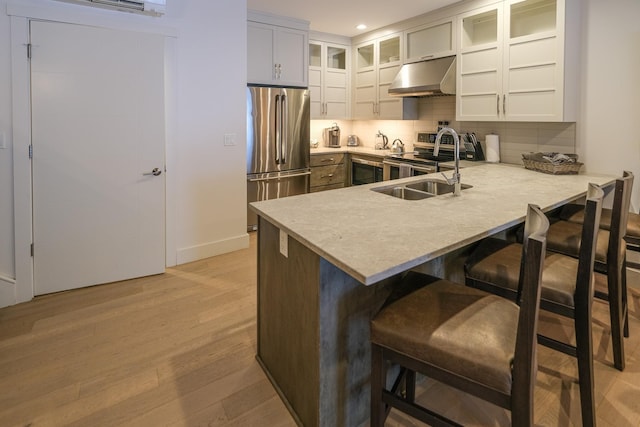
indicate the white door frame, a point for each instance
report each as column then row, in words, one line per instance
column 20, row 15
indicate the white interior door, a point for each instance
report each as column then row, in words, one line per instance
column 97, row 130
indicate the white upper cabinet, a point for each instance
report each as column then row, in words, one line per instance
column 377, row 63
column 329, row 80
column 479, row 84
column 277, row 55
column 430, row 41
column 518, row 62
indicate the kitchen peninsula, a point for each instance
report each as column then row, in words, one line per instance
column 328, row 260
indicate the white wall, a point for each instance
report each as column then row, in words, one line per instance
column 7, row 268
column 211, row 178
column 206, row 193
column 607, row 131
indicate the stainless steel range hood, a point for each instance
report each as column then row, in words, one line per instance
column 426, row 78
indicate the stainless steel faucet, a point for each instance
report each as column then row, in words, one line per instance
column 455, row 179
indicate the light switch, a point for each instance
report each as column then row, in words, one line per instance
column 229, row 139
column 3, row 140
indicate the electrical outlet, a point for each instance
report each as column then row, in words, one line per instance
column 284, row 244
column 229, row 139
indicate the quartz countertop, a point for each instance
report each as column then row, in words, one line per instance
column 360, row 230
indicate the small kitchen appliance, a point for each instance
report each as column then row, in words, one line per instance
column 382, row 141
column 397, row 146
column 331, row 136
column 352, row 141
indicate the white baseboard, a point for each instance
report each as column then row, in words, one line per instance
column 7, row 292
column 210, row 249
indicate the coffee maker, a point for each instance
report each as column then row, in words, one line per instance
column 331, row 136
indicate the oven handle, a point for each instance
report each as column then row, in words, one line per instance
column 427, row 169
column 366, row 162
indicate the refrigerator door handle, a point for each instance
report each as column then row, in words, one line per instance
column 284, row 131
column 278, row 129
column 271, row 178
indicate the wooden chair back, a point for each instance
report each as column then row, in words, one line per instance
column 525, row 360
column 619, row 217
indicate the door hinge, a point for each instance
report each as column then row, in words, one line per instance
column 29, row 50
column 32, row 249
column 31, row 151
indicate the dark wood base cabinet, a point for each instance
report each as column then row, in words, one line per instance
column 313, row 332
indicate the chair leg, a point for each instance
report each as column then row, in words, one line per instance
column 410, row 385
column 584, row 350
column 625, row 297
column 378, row 379
column 615, row 285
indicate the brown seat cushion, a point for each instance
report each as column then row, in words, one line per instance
column 575, row 213
column 460, row 329
column 498, row 262
column 565, row 237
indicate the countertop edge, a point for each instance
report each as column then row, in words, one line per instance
column 289, row 224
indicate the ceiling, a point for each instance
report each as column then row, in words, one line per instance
column 342, row 16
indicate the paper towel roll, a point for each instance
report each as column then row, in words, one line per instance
column 492, row 143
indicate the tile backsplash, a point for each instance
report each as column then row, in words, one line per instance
column 515, row 137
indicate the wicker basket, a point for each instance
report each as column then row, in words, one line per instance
column 569, row 168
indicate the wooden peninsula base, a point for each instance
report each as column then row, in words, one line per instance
column 313, row 332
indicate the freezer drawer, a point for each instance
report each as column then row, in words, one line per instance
column 269, row 186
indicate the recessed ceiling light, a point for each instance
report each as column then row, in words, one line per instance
column 361, row 27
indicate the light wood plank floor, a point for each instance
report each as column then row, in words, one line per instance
column 178, row 350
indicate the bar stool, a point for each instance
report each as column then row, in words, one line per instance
column 567, row 289
column 574, row 213
column 472, row 340
column 564, row 237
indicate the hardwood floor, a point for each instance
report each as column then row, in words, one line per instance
column 178, row 349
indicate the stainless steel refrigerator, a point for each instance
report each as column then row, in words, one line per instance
column 277, row 144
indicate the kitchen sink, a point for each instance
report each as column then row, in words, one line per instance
column 403, row 192
column 435, row 187
column 419, row 190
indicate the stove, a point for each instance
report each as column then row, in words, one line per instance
column 421, row 161
column 402, row 165
column 426, row 142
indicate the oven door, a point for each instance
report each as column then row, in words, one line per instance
column 396, row 170
column 365, row 171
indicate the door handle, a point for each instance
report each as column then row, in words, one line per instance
column 284, row 128
column 154, row 172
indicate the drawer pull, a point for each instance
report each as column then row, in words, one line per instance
column 327, row 176
column 328, row 160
